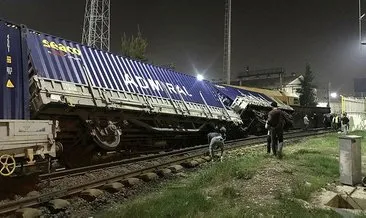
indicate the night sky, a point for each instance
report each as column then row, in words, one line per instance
column 189, row 33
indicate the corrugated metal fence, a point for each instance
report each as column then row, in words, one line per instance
column 356, row 111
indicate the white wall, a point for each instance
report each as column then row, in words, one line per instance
column 356, row 112
column 335, row 107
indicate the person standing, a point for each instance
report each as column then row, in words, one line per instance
column 340, row 122
column 328, row 120
column 345, row 123
column 276, row 121
column 269, row 140
column 306, row 122
column 336, row 122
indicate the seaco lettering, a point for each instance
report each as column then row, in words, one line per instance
column 155, row 85
column 61, row 47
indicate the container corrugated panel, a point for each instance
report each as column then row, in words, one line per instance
column 13, row 80
column 230, row 93
column 275, row 95
column 60, row 59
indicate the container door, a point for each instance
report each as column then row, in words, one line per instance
column 13, row 95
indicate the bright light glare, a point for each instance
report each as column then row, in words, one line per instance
column 333, row 94
column 199, row 77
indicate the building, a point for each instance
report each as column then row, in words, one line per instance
column 293, row 86
column 273, row 78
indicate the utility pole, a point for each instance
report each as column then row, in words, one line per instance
column 227, row 41
column 328, row 93
column 360, row 17
column 96, row 29
column 281, row 80
column 360, row 22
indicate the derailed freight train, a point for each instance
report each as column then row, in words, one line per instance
column 70, row 100
column 61, row 100
column 316, row 114
column 253, row 107
column 121, row 104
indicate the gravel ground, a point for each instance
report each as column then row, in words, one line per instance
column 55, row 185
column 82, row 208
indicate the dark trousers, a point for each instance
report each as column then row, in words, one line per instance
column 276, row 139
column 269, row 144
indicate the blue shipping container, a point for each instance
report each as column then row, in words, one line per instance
column 60, row 59
column 14, row 90
column 229, row 94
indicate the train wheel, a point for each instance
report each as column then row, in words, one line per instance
column 8, row 165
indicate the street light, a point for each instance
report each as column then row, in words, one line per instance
column 333, row 95
column 199, row 77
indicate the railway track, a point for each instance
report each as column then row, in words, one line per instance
column 78, row 171
column 194, row 153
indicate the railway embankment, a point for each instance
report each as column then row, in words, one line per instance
column 248, row 183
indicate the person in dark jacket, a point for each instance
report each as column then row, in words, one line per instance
column 339, row 124
column 276, row 121
column 327, row 120
column 345, row 123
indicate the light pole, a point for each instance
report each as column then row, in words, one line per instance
column 227, row 41
column 360, row 17
column 328, row 92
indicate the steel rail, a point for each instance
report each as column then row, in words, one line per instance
column 86, row 169
column 44, row 198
